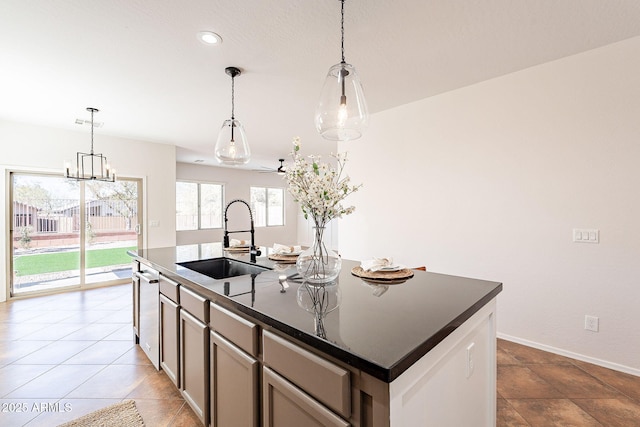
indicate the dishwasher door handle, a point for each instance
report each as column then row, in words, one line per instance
column 147, row 277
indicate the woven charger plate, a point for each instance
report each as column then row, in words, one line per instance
column 237, row 249
column 382, row 276
column 283, row 259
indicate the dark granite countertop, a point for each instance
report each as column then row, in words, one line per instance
column 379, row 330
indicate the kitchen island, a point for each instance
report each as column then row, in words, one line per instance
column 417, row 353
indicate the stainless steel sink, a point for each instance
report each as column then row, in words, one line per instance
column 223, row 268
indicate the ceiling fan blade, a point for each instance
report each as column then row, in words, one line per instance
column 280, row 170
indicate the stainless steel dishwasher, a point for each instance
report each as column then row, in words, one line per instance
column 150, row 314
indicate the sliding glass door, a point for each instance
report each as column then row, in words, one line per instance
column 71, row 234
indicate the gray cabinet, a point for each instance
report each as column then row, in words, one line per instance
column 319, row 378
column 170, row 329
column 235, row 379
column 235, row 369
column 194, row 353
column 286, row 405
column 232, row 372
column 169, row 332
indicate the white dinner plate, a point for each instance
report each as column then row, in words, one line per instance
column 396, row 267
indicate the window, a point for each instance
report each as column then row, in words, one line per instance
column 267, row 205
column 70, row 234
column 198, row 206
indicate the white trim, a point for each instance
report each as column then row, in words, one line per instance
column 572, row 355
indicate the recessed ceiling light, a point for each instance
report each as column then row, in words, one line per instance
column 208, row 37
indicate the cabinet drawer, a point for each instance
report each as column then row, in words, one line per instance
column 285, row 404
column 236, row 329
column 195, row 304
column 169, row 288
column 320, row 378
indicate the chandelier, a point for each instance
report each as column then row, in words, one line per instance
column 91, row 166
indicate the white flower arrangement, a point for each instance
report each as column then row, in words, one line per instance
column 318, row 187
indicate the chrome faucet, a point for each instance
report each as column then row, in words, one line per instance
column 253, row 251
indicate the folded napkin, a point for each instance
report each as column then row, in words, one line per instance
column 236, row 242
column 378, row 290
column 285, row 249
column 376, row 264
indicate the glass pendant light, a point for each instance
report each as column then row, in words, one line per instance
column 232, row 147
column 342, row 112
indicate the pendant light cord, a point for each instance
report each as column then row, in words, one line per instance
column 92, row 132
column 342, row 30
column 233, row 105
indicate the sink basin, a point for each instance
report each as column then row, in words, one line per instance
column 223, row 268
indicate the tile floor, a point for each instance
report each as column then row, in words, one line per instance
column 536, row 388
column 65, row 355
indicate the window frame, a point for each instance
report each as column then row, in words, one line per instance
column 266, row 192
column 199, row 184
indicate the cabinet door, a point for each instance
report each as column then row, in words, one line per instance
column 169, row 327
column 194, row 364
column 286, row 405
column 234, row 385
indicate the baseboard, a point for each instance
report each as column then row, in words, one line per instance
column 577, row 356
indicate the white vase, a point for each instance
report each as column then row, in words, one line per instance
column 317, row 264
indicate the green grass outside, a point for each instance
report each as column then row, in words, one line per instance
column 27, row 265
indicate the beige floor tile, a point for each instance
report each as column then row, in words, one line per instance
column 530, row 355
column 552, row 413
column 54, row 353
column 56, row 382
column 19, row 412
column 506, row 416
column 100, row 353
column 113, row 382
column 15, row 376
column 573, row 382
column 612, row 412
column 625, row 383
column 66, row 410
column 519, row 382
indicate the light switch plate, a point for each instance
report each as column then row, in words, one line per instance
column 586, row 235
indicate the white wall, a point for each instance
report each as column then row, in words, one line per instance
column 34, row 148
column 488, row 182
column 236, row 186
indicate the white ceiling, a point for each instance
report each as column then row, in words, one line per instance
column 140, row 63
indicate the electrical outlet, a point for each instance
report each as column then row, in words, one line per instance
column 470, row 359
column 591, row 323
